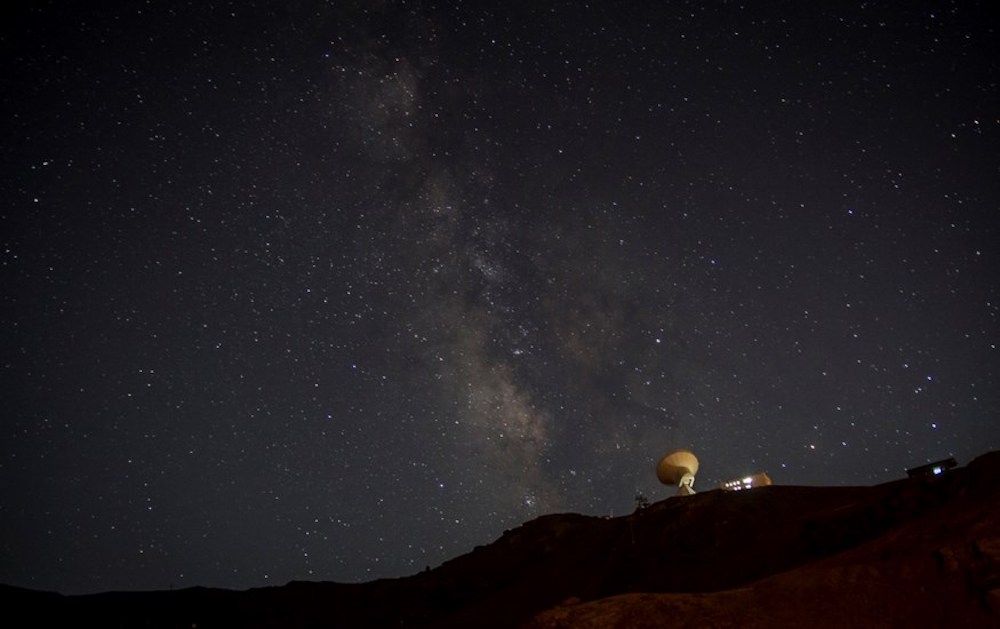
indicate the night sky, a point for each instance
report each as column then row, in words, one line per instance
column 338, row 291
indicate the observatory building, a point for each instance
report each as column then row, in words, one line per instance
column 678, row 468
column 932, row 469
column 749, row 482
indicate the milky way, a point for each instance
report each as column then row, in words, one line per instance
column 338, row 291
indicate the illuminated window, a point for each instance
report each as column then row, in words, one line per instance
column 749, row 482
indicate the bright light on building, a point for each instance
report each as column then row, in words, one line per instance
column 936, row 468
column 756, row 480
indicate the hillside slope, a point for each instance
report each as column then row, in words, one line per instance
column 913, row 552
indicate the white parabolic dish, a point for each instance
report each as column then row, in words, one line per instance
column 675, row 465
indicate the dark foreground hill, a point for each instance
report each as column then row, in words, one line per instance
column 914, row 552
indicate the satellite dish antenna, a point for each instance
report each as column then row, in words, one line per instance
column 678, row 468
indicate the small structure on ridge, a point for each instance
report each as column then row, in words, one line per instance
column 936, row 468
column 749, row 482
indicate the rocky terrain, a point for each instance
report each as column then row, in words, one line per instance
column 914, row 552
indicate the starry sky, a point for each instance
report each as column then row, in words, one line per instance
column 339, row 290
